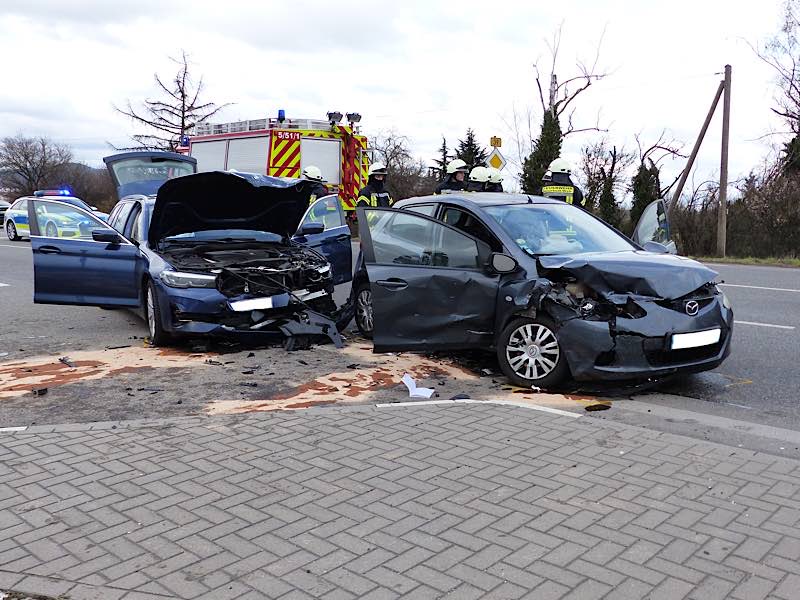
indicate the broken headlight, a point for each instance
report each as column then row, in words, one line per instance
column 725, row 301
column 177, row 279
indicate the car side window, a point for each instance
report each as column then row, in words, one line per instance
column 121, row 217
column 326, row 211
column 133, row 229
column 60, row 220
column 423, row 209
column 22, row 205
column 469, row 224
column 406, row 239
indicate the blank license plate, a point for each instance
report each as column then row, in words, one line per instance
column 695, row 339
column 252, row 304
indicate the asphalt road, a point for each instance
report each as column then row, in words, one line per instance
column 759, row 381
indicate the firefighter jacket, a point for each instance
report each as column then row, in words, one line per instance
column 374, row 195
column 451, row 184
column 316, row 191
column 562, row 188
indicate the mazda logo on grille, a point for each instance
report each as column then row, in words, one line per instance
column 692, row 308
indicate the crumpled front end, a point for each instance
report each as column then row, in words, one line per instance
column 251, row 292
column 609, row 333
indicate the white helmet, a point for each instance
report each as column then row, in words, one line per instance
column 377, row 169
column 457, row 165
column 313, row 173
column 560, row 165
column 479, row 175
column 495, row 176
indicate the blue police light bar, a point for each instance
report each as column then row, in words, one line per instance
column 62, row 192
column 281, row 115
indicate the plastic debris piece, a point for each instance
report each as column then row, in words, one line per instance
column 39, row 392
column 460, row 397
column 65, row 360
column 413, row 390
column 536, row 388
column 210, row 361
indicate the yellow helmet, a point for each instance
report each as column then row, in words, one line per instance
column 313, row 173
column 479, row 175
column 495, row 176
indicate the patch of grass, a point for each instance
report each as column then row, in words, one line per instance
column 774, row 261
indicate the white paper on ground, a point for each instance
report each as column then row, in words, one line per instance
column 413, row 390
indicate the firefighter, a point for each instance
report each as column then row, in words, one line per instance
column 456, row 175
column 317, row 188
column 478, row 178
column 374, row 194
column 558, row 184
column 495, row 180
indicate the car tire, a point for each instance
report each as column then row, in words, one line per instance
column 364, row 314
column 11, row 231
column 527, row 355
column 50, row 230
column 152, row 315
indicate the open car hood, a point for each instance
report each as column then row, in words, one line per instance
column 220, row 200
column 635, row 272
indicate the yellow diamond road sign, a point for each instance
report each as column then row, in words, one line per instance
column 496, row 159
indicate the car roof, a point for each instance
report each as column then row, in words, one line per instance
column 477, row 199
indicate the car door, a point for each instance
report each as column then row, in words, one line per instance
column 653, row 226
column 430, row 287
column 71, row 265
column 334, row 241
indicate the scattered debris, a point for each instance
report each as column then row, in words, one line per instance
column 248, row 384
column 413, row 390
column 353, row 366
column 148, row 389
column 596, row 407
column 302, row 362
column 117, row 347
column 210, row 361
column 2, row 354
column 487, row 372
column 461, row 397
column 65, row 360
column 39, row 392
column 251, row 355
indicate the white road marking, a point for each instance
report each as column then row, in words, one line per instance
column 546, row 409
column 764, row 325
column 4, row 285
column 758, row 287
column 11, row 429
column 22, row 247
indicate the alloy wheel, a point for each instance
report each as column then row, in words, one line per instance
column 364, row 309
column 11, row 231
column 532, row 351
column 151, row 313
column 51, row 230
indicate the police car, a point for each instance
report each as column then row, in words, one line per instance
column 16, row 218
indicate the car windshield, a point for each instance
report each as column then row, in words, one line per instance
column 225, row 235
column 541, row 229
column 76, row 202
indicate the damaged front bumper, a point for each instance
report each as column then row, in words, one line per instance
column 208, row 312
column 635, row 348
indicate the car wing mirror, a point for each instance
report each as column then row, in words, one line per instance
column 106, row 236
column 311, row 229
column 656, row 247
column 502, row 263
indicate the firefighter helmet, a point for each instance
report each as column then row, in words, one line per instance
column 457, row 166
column 560, row 165
column 479, row 175
column 377, row 169
column 495, row 176
column 313, row 173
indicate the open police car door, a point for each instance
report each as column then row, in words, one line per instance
column 653, row 226
column 143, row 172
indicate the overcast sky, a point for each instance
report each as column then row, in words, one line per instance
column 423, row 68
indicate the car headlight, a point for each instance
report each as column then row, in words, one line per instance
column 725, row 301
column 188, row 280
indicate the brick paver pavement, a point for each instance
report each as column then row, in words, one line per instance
column 461, row 501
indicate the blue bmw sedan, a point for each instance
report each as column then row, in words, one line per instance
column 198, row 253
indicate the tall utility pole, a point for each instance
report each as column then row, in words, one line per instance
column 722, row 216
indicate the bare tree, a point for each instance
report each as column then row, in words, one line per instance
column 28, row 164
column 605, row 169
column 406, row 176
column 174, row 115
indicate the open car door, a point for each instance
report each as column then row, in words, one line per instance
column 143, row 172
column 653, row 226
column 79, row 259
column 430, row 287
column 324, row 228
